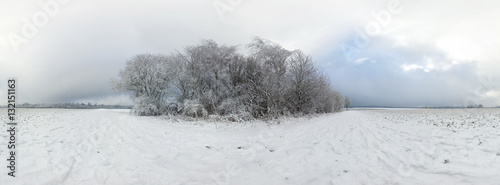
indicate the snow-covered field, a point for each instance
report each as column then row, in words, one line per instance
column 394, row 146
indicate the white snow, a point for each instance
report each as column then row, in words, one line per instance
column 394, row 146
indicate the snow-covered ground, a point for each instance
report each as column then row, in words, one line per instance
column 354, row 147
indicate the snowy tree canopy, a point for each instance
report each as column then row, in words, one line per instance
column 269, row 82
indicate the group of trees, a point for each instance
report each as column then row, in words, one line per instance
column 215, row 79
column 475, row 106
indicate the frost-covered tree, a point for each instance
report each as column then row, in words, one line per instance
column 338, row 101
column 146, row 77
column 207, row 64
column 182, row 80
column 273, row 61
column 306, row 84
column 347, row 103
column 327, row 99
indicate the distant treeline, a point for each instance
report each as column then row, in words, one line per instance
column 70, row 106
column 430, row 107
column 459, row 107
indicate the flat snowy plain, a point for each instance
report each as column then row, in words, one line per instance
column 359, row 146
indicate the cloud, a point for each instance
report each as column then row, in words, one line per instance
column 429, row 53
column 422, row 58
column 416, row 75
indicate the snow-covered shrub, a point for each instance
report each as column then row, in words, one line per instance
column 208, row 100
column 234, row 110
column 214, row 118
column 193, row 108
column 144, row 106
column 229, row 106
column 242, row 117
column 172, row 108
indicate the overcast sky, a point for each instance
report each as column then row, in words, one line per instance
column 377, row 52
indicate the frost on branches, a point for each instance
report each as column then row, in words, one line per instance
column 193, row 108
column 212, row 79
column 144, row 106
